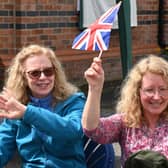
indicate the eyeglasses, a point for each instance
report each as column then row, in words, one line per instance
column 36, row 74
column 150, row 92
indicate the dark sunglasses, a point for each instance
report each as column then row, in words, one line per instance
column 35, row 74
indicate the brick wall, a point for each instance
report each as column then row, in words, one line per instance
column 54, row 23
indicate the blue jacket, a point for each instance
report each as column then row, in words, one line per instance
column 46, row 139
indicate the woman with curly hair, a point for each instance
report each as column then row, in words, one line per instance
column 42, row 113
column 141, row 121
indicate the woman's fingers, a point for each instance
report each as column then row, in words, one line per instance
column 3, row 99
column 96, row 59
column 7, row 115
column 7, row 93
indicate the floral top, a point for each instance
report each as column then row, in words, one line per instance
column 112, row 129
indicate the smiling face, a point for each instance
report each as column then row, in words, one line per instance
column 43, row 83
column 153, row 95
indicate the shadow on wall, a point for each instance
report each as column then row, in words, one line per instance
column 2, row 74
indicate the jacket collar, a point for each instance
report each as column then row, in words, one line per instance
column 45, row 102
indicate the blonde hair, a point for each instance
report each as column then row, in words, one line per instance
column 16, row 82
column 129, row 102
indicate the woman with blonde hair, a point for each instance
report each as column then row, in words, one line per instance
column 42, row 112
column 141, row 122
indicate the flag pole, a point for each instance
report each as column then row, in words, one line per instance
column 100, row 54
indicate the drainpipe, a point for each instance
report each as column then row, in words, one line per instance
column 161, row 25
column 125, row 36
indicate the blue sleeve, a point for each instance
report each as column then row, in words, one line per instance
column 7, row 141
column 64, row 123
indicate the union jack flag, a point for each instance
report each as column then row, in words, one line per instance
column 97, row 36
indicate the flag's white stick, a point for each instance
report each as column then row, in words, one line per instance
column 100, row 54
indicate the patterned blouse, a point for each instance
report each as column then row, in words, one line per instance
column 112, row 129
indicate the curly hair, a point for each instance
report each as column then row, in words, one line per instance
column 129, row 101
column 15, row 77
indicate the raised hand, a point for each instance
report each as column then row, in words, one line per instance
column 95, row 74
column 9, row 106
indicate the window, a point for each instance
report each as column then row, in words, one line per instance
column 90, row 10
